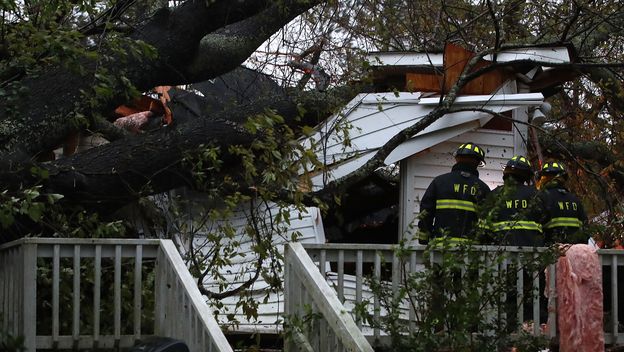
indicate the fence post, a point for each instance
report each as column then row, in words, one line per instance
column 159, row 292
column 29, row 308
column 288, row 298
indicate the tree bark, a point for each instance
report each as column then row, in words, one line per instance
column 114, row 174
column 58, row 100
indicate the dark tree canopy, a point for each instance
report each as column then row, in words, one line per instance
column 66, row 65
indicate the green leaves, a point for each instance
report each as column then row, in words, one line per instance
column 11, row 343
column 464, row 298
column 26, row 203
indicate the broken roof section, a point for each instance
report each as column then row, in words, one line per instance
column 437, row 72
column 347, row 140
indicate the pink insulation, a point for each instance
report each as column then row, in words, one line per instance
column 579, row 300
column 134, row 122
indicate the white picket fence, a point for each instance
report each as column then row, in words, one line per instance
column 179, row 310
column 313, row 266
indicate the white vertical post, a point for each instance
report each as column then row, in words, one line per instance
column 376, row 304
column 138, row 290
column 614, row 297
column 117, row 290
column 159, row 293
column 552, row 300
column 396, row 275
column 29, row 307
column 76, row 296
column 536, row 302
column 341, row 275
column 359, row 258
column 97, row 286
column 56, row 278
column 288, row 295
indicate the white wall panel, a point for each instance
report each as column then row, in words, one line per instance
column 309, row 224
column 421, row 168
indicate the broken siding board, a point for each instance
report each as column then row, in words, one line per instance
column 557, row 54
column 405, row 59
column 456, row 58
column 549, row 55
column 385, row 117
column 373, row 122
column 424, row 82
column 447, row 127
column 372, row 130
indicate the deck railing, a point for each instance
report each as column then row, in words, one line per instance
column 612, row 259
column 101, row 293
column 307, row 296
column 343, row 267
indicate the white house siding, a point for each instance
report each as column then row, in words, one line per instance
column 419, row 170
column 309, row 226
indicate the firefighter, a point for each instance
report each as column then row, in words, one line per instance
column 564, row 214
column 515, row 212
column 449, row 206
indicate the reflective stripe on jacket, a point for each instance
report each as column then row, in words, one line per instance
column 516, row 225
column 515, row 212
column 563, row 221
column 455, row 204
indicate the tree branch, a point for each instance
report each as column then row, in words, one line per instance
column 59, row 99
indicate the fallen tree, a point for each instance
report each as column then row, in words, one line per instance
column 69, row 76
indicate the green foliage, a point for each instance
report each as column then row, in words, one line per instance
column 10, row 343
column 39, row 36
column 461, row 300
column 237, row 220
column 27, row 202
column 45, row 214
column 87, row 286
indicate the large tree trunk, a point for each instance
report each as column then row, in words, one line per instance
column 194, row 42
column 197, row 41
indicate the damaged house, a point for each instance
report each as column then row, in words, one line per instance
column 493, row 111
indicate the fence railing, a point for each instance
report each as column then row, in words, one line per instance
column 101, row 293
column 308, row 297
column 613, row 302
column 345, row 266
